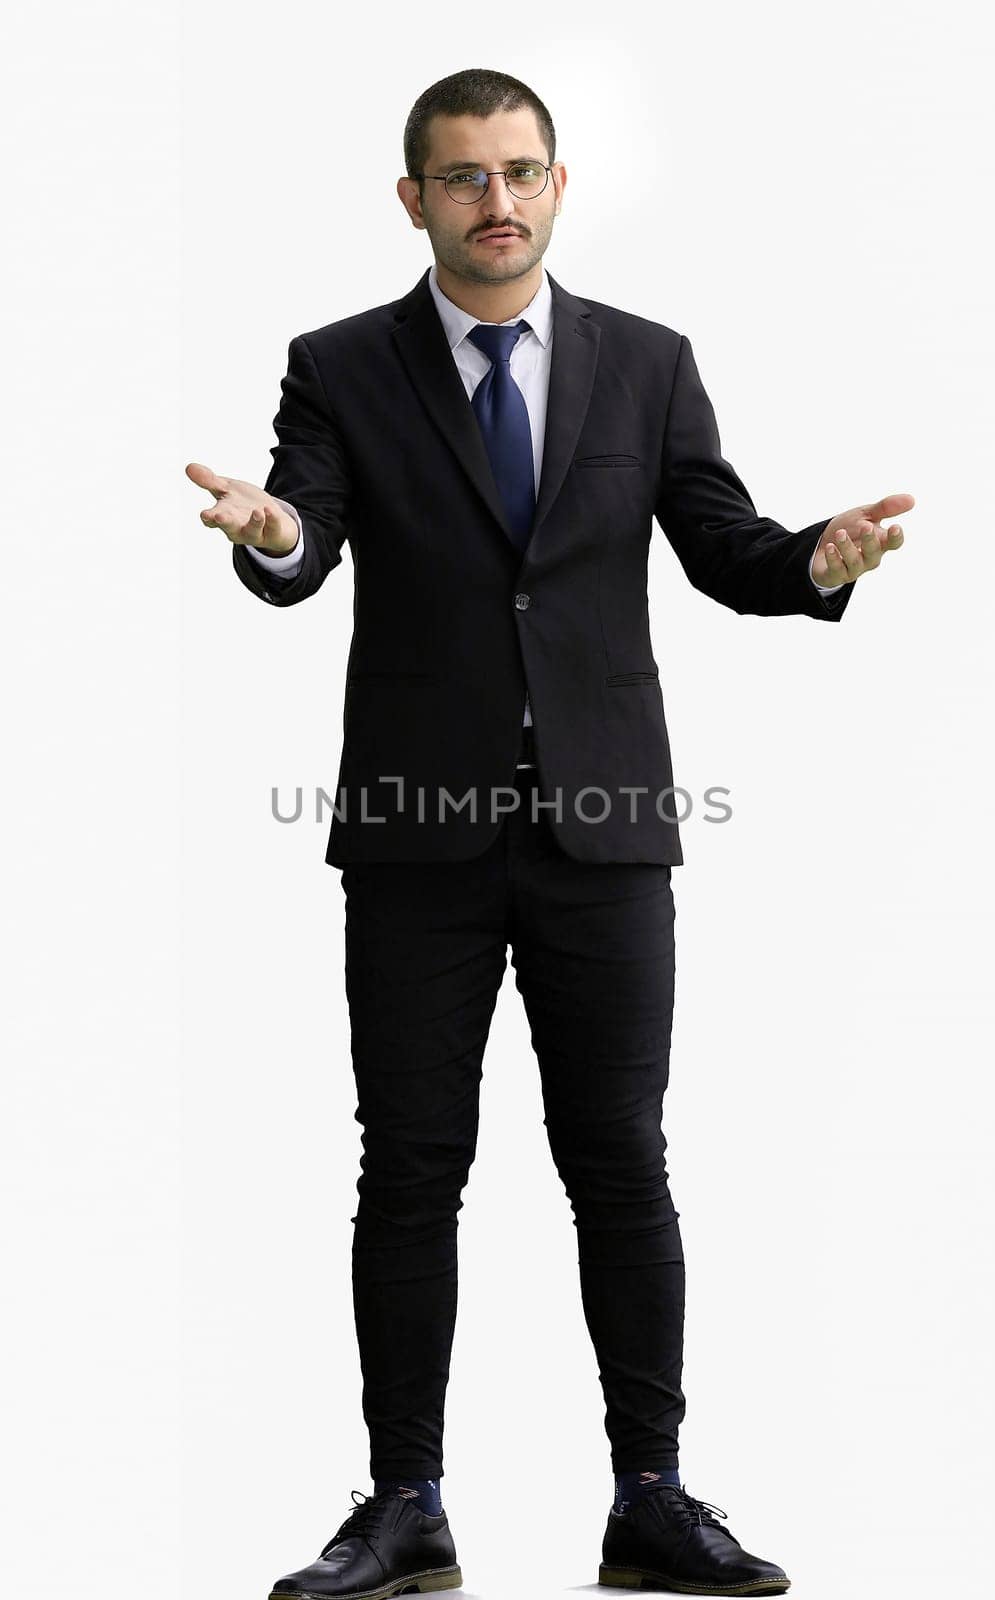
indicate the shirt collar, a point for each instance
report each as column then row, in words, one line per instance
column 457, row 322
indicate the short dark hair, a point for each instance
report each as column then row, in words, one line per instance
column 475, row 92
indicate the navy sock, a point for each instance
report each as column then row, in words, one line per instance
column 630, row 1487
column 425, row 1492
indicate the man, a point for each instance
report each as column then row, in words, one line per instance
column 494, row 449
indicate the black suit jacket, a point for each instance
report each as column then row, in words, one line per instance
column 378, row 446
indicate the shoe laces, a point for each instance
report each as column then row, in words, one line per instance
column 686, row 1509
column 365, row 1520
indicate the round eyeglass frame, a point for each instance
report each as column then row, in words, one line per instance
column 500, row 173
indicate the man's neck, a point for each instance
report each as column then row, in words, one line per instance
column 490, row 302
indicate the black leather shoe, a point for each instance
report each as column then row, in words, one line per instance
column 668, row 1540
column 386, row 1546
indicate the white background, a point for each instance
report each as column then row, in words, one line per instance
column 804, row 193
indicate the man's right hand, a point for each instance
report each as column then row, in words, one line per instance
column 245, row 513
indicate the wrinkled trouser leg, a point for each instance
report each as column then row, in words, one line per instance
column 425, row 955
column 593, row 953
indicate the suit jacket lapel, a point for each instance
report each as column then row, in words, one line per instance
column 424, row 349
column 571, row 381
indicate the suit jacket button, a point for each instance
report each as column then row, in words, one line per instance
column 522, row 602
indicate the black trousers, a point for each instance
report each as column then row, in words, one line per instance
column 593, row 954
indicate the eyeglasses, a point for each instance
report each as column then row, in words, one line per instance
column 525, row 180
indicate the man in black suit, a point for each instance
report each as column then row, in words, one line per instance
column 494, row 450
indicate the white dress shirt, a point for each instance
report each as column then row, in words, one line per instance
column 531, row 357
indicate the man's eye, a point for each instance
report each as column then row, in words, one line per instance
column 526, row 172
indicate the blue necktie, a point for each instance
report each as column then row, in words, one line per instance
column 500, row 409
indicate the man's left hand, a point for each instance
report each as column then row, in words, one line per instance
column 854, row 542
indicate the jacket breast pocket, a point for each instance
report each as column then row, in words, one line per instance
column 618, row 678
column 614, row 459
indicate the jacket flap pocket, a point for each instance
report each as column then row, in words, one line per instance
column 616, row 459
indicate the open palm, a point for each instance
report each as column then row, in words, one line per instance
column 855, row 542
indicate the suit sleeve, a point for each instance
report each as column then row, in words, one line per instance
column 747, row 562
column 310, row 471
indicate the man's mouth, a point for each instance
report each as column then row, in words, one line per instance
column 499, row 233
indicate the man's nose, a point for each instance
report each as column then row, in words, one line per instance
column 497, row 189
